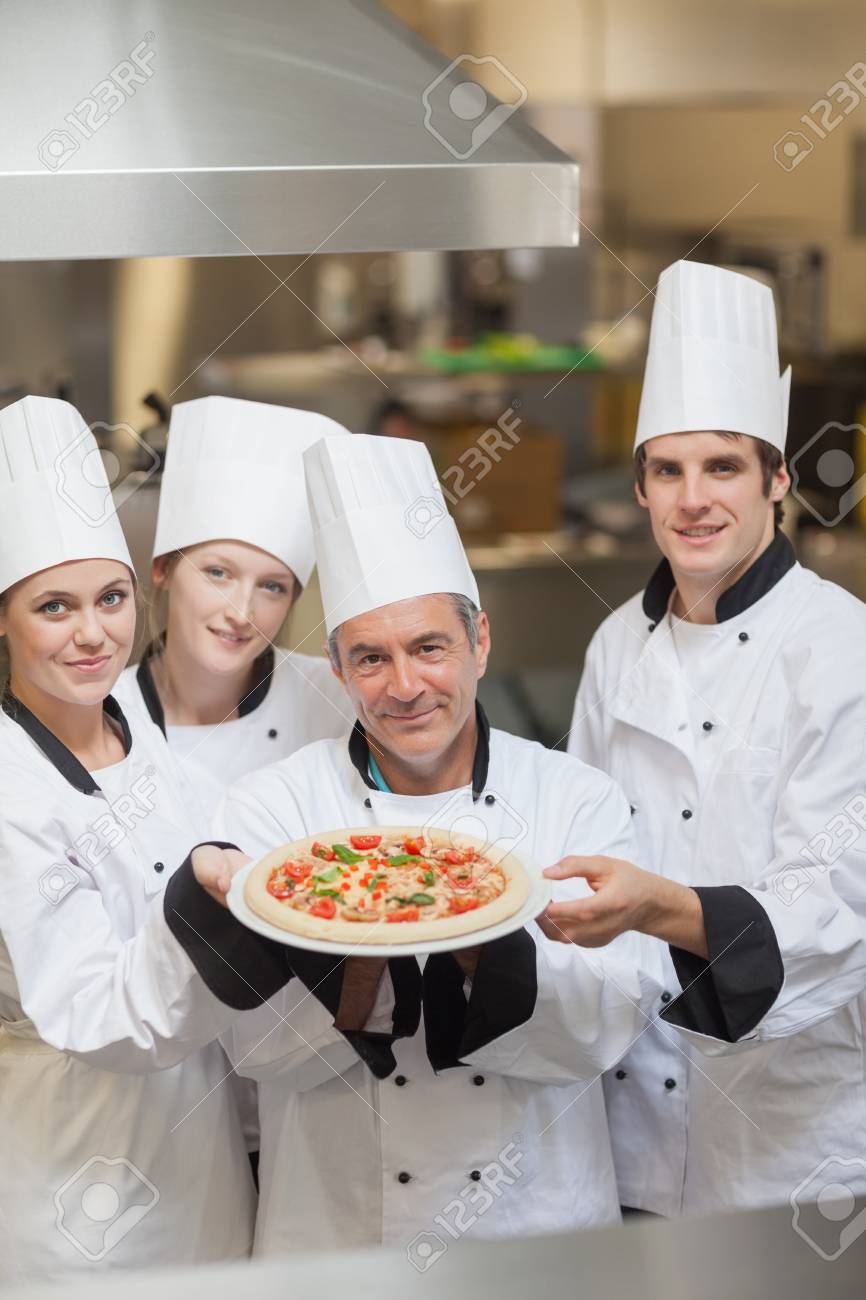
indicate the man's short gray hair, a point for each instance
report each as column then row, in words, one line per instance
column 467, row 611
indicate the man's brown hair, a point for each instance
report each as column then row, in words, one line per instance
column 770, row 458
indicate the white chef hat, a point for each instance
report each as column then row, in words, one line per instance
column 713, row 360
column 381, row 527
column 55, row 499
column 234, row 469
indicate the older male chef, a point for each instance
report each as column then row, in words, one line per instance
column 353, row 1155
column 728, row 701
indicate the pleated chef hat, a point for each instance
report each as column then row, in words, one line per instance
column 55, row 499
column 382, row 530
column 713, row 360
column 234, row 469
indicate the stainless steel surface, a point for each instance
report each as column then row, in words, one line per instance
column 276, row 126
column 752, row 1256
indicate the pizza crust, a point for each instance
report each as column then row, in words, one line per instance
column 515, row 894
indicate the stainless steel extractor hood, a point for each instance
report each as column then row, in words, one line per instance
column 150, row 128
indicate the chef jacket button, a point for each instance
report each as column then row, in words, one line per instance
column 632, row 809
column 401, row 1080
column 159, row 866
column 670, row 1084
column 621, row 1074
column 478, row 1080
column 272, row 734
column 744, row 636
column 367, row 803
column 687, row 812
column 475, row 1175
column 490, row 798
column 666, row 997
column 652, row 627
column 708, row 726
column 403, row 1177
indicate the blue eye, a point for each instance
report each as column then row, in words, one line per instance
column 116, row 598
column 52, row 607
column 276, row 587
column 215, row 571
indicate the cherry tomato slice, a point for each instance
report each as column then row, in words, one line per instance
column 298, row 870
column 365, row 841
column 462, row 881
column 326, row 908
column 280, row 888
column 322, row 851
column 462, row 904
column 415, row 847
column 404, row 914
column 456, row 859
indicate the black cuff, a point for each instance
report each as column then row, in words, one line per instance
column 240, row 967
column 503, row 997
column 727, row 996
column 323, row 977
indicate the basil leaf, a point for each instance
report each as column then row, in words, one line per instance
column 326, row 893
column 347, row 855
column 329, row 876
column 429, row 877
column 402, row 858
column 422, row 900
column 375, row 882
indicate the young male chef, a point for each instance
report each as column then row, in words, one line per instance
column 727, row 699
column 442, row 1069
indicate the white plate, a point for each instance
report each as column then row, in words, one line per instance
column 539, row 897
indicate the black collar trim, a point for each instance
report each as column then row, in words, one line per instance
column 54, row 750
column 770, row 566
column 263, row 671
column 359, row 753
column 147, row 686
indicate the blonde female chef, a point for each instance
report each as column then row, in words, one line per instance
column 119, row 1146
column 233, row 550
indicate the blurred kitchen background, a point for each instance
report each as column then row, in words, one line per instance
column 521, row 368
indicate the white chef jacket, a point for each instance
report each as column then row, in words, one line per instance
column 352, row 1159
column 739, row 746
column 294, row 699
column 106, row 1081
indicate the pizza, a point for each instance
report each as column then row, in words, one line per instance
column 393, row 884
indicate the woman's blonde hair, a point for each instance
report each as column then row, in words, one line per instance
column 5, row 664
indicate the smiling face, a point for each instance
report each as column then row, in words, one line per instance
column 709, row 509
column 227, row 602
column 412, row 674
column 69, row 630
